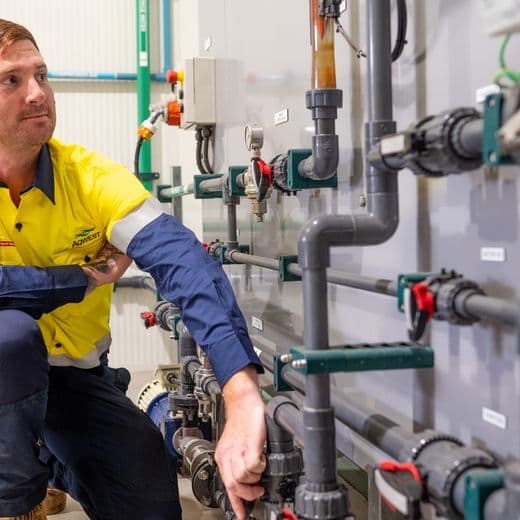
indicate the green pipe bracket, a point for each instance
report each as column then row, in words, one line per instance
column 198, row 193
column 158, row 190
column 148, row 176
column 362, row 357
column 233, row 173
column 479, row 486
column 405, row 281
column 242, row 248
column 279, row 384
column 174, row 320
column 491, row 153
column 283, row 274
column 295, row 181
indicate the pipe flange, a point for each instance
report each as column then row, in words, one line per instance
column 459, row 468
column 321, row 504
column 445, row 301
column 428, row 441
column 451, row 135
column 324, row 98
column 186, row 360
column 280, row 464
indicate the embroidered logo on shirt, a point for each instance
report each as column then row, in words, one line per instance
column 85, row 236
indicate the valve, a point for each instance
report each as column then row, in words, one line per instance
column 401, row 487
column 258, row 178
column 148, row 318
column 440, row 296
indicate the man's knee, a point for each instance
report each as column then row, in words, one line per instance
column 23, row 357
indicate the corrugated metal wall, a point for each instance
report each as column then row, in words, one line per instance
column 99, row 36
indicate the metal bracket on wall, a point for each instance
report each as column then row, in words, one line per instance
column 233, row 187
column 148, row 176
column 198, row 193
column 283, row 274
column 295, row 181
column 175, row 318
column 362, row 357
column 479, row 486
column 492, row 154
column 243, row 248
column 279, row 384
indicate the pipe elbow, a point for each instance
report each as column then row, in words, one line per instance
column 323, row 163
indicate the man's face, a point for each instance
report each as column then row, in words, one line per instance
column 27, row 108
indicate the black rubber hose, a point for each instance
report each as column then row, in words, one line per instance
column 198, row 151
column 206, row 137
column 136, row 158
column 402, row 22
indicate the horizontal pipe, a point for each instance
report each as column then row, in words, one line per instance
column 212, row 184
column 102, row 76
column 480, row 306
column 177, row 191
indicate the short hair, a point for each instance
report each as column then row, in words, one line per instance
column 11, row 32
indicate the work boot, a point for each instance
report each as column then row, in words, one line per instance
column 55, row 501
column 38, row 513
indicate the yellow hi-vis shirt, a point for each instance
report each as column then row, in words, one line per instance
column 64, row 218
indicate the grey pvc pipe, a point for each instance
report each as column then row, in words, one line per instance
column 212, row 184
column 487, row 307
column 471, row 136
column 260, row 261
column 232, row 240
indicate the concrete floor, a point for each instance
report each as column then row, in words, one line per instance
column 191, row 508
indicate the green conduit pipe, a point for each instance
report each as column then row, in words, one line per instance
column 143, row 80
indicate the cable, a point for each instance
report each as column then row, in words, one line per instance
column 207, row 132
column 402, row 23
column 339, row 29
column 136, row 158
column 145, row 132
column 198, row 150
column 505, row 71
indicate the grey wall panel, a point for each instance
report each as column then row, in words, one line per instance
column 263, row 66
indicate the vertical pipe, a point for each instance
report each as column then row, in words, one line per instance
column 380, row 61
column 143, row 80
column 322, row 41
column 232, row 239
column 167, row 35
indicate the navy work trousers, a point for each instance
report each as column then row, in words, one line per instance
column 98, row 446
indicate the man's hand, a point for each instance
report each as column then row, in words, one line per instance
column 109, row 265
column 240, row 450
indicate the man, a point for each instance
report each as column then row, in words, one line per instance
column 59, row 205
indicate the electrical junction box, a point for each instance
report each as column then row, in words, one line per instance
column 199, row 93
column 501, row 16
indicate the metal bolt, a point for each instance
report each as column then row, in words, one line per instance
column 203, row 475
column 491, row 102
column 286, row 358
column 299, row 363
column 206, row 501
column 492, row 157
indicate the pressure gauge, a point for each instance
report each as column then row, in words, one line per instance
column 254, row 136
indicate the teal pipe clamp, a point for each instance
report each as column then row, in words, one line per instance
column 243, row 248
column 233, row 187
column 480, row 484
column 295, row 181
column 197, row 191
column 283, row 274
column 492, row 155
column 405, row 281
column 279, row 384
column 362, row 357
column 174, row 319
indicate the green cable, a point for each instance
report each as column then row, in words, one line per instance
column 504, row 71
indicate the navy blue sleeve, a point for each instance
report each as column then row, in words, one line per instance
column 38, row 290
column 187, row 275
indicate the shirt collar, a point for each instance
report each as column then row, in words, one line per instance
column 44, row 179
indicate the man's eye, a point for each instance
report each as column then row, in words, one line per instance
column 10, row 80
column 42, row 76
